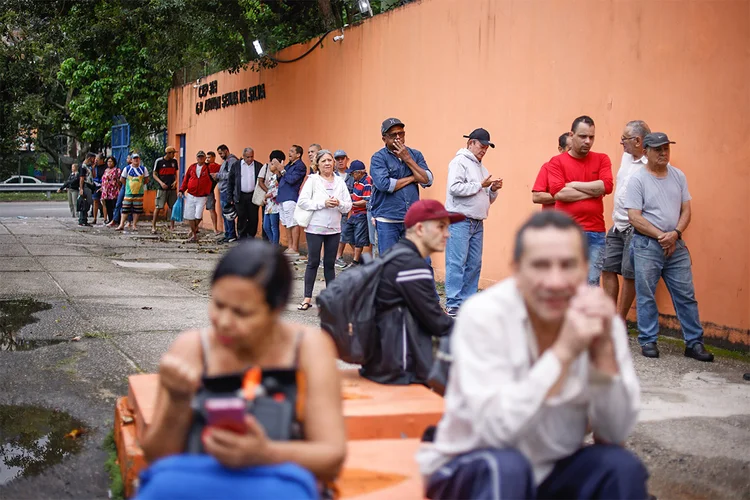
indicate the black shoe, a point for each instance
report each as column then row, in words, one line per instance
column 698, row 352
column 452, row 312
column 650, row 350
column 746, row 376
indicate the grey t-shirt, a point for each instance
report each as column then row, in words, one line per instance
column 659, row 198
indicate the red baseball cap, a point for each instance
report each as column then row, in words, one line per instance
column 424, row 210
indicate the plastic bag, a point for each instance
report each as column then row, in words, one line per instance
column 177, row 210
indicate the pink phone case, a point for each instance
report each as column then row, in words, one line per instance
column 227, row 413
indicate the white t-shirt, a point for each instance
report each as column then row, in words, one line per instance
column 628, row 166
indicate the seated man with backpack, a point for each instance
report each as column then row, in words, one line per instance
column 407, row 309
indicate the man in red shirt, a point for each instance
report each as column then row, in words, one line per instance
column 195, row 188
column 578, row 180
column 540, row 191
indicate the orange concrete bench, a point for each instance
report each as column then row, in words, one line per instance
column 371, row 411
column 381, row 469
column 129, row 454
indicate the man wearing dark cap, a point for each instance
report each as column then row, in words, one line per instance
column 165, row 173
column 355, row 231
column 408, row 312
column 396, row 172
column 342, row 170
column 658, row 204
column 471, row 190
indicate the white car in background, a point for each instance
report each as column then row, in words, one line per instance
column 22, row 179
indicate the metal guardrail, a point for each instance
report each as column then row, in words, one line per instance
column 45, row 187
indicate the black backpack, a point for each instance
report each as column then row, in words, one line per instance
column 347, row 308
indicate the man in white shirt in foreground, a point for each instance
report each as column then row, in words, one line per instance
column 537, row 358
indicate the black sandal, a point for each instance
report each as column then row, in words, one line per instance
column 304, row 306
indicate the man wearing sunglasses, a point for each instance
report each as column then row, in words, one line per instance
column 617, row 258
column 396, row 172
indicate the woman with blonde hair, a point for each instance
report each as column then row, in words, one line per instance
column 325, row 197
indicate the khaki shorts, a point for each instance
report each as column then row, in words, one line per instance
column 169, row 197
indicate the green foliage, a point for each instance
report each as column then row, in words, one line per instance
column 30, row 196
column 68, row 67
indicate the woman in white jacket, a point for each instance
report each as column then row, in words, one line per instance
column 326, row 196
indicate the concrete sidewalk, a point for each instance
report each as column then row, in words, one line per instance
column 129, row 296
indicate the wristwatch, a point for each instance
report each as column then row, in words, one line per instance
column 679, row 233
column 283, row 172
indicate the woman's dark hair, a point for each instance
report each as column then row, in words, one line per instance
column 263, row 263
column 279, row 155
column 111, row 158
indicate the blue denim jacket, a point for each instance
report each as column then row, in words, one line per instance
column 385, row 169
column 291, row 181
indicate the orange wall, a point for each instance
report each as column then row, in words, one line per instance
column 524, row 70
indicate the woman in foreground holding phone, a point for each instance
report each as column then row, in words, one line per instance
column 250, row 290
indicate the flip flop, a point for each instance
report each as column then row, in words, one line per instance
column 304, row 306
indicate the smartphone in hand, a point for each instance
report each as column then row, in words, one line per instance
column 226, row 413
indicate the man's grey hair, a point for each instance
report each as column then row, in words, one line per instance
column 316, row 145
column 639, row 128
column 247, row 150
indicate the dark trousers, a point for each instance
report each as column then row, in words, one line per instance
column 596, row 471
column 84, row 204
column 247, row 216
column 330, row 245
column 110, row 208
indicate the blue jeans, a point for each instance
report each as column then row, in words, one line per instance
column 371, row 231
column 271, row 227
column 388, row 234
column 118, row 207
column 650, row 265
column 596, row 255
column 463, row 261
column 229, row 230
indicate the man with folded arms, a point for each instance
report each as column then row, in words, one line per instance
column 536, row 358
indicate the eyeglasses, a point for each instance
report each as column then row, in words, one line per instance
column 623, row 139
column 401, row 134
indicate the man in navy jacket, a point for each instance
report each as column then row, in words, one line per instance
column 290, row 182
column 396, row 172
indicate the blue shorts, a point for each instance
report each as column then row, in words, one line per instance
column 355, row 231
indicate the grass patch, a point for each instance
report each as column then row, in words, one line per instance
column 719, row 352
column 29, row 196
column 116, row 488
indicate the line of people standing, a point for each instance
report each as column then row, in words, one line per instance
column 651, row 211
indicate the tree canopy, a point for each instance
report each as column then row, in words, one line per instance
column 70, row 66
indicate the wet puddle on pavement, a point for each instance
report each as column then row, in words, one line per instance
column 14, row 315
column 33, row 439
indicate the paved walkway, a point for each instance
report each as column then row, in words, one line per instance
column 128, row 297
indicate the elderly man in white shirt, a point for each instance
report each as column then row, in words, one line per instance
column 470, row 192
column 617, row 258
column 536, row 359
